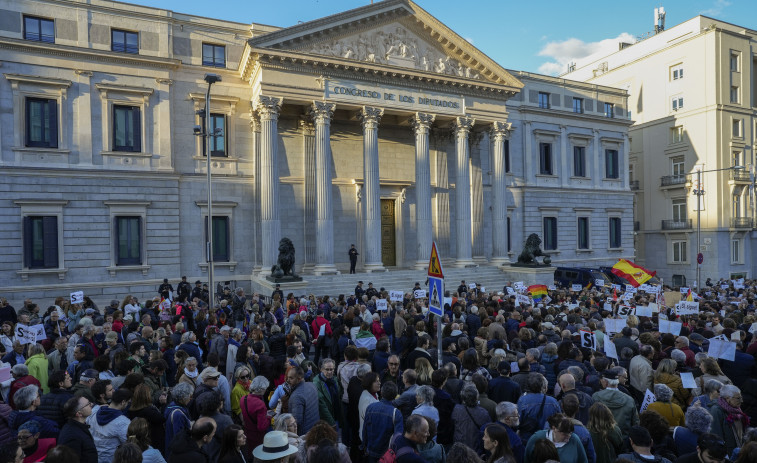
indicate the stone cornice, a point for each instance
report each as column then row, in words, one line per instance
column 76, row 53
column 37, row 80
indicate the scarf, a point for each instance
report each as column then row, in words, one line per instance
column 245, row 384
column 191, row 374
column 733, row 414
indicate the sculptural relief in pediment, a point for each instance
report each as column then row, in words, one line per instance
column 394, row 45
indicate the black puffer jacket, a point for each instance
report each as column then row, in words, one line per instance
column 51, row 406
column 278, row 345
column 185, row 450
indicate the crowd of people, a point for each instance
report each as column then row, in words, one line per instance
column 310, row 379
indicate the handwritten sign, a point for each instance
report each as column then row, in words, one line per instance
column 688, row 380
column 576, row 288
column 77, row 297
column 30, row 334
column 610, row 349
column 725, row 350
column 599, row 282
column 552, row 288
column 510, row 291
column 396, row 296
column 419, row 293
column 643, row 311
column 381, row 304
column 687, row 308
column 522, row 300
column 649, row 397
column 667, row 326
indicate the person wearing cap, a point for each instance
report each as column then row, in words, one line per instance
column 75, row 433
column 108, row 425
column 359, row 291
column 34, row 448
column 196, row 291
column 84, row 387
column 208, row 382
column 622, row 406
column 275, row 448
column 371, row 291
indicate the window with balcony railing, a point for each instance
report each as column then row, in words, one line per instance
column 681, row 224
column 741, row 222
column 671, row 180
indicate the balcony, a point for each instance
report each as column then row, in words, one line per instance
column 673, row 180
column 741, row 222
column 741, row 175
column 634, row 184
column 676, row 224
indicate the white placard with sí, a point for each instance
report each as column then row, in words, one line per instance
column 381, row 304
column 588, row 340
column 77, row 297
column 667, row 326
column 522, row 300
column 610, row 349
column 725, row 350
column 688, row 380
column 643, row 311
column 576, row 288
column 624, row 311
column 30, row 334
column 509, row 290
column 599, row 282
column 519, row 284
column 648, row 399
column 419, row 293
column 687, row 308
column 396, row 296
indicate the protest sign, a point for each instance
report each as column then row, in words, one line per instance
column 519, row 285
column 630, row 289
column 688, row 380
column 610, row 349
column 447, row 301
column 381, row 304
column 725, row 350
column 624, row 311
column 627, row 296
column 30, row 334
column 396, row 296
column 5, row 374
column 617, row 287
column 643, row 311
column 572, row 306
column 77, row 297
column 546, row 300
column 653, row 307
column 614, row 325
column 753, row 328
column 672, row 297
column 684, row 290
column 552, row 288
column 522, row 300
column 599, row 282
column 607, row 306
column 576, row 288
column 687, row 308
column 471, row 285
column 588, row 339
column 419, row 293
column 667, row 326
column 510, row 290
column 648, row 399
column 514, row 367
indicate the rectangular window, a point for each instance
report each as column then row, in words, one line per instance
column 127, row 128
column 579, row 161
column 609, row 110
column 507, row 155
column 578, row 105
column 124, row 41
column 676, row 134
column 545, row 158
column 615, row 234
column 736, row 128
column 213, row 55
column 583, row 233
column 543, row 100
column 734, row 94
column 612, row 169
column 680, row 213
column 677, row 166
column 39, row 29
column 41, row 242
column 218, row 142
column 677, row 103
column 128, row 240
column 734, row 62
column 676, row 72
column 41, row 123
column 735, row 251
column 221, row 238
column 679, row 251
column 550, row 233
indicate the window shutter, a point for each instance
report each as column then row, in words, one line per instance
column 136, row 115
column 27, row 242
column 50, row 241
column 52, row 113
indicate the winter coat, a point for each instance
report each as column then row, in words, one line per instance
column 548, row 361
column 219, row 346
column 255, row 419
column 636, row 458
column 108, row 427
column 607, row 447
column 681, row 395
column 303, row 404
column 157, row 423
column 37, row 365
column 622, row 406
column 185, row 450
column 329, row 411
column 572, row 451
column 177, row 419
column 17, row 418
column 722, row 428
column 76, row 435
column 6, row 433
column 670, row 411
column 51, row 406
column 467, row 421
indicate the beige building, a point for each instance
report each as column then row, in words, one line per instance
column 692, row 98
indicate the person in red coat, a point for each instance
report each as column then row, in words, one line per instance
column 255, row 413
column 22, row 378
column 321, row 335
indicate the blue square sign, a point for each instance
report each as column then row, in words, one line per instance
column 436, row 295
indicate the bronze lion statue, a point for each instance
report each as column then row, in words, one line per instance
column 531, row 250
column 285, row 264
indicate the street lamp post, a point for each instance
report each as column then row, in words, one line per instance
column 207, row 136
column 699, row 191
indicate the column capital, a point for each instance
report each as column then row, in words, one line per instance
column 462, row 125
column 370, row 116
column 254, row 121
column 321, row 112
column 306, row 126
column 268, row 107
column 421, row 122
column 501, row 130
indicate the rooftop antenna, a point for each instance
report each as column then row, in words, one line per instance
column 659, row 20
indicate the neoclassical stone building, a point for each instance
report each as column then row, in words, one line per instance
column 378, row 126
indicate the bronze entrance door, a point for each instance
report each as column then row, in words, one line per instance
column 388, row 237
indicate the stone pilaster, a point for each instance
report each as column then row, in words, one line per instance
column 370, row 118
column 421, row 124
column 500, row 131
column 596, row 160
column 256, row 248
column 566, row 160
column 321, row 112
column 462, row 127
column 268, row 109
column 309, row 191
column 624, row 160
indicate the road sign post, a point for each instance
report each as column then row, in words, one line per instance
column 436, row 296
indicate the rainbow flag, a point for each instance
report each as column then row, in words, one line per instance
column 635, row 274
column 538, row 292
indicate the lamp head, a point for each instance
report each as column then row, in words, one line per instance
column 197, row 130
column 212, row 78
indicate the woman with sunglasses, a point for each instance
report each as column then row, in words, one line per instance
column 242, row 377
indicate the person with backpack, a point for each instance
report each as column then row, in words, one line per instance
column 403, row 448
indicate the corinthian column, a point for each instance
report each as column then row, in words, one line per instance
column 268, row 110
column 371, row 189
column 500, row 131
column 421, row 123
column 462, row 127
column 321, row 113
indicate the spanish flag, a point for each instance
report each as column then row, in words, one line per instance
column 689, row 296
column 635, row 274
column 538, row 292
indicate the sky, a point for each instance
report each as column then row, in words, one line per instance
column 538, row 36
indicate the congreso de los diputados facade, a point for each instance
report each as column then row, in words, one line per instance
column 378, row 127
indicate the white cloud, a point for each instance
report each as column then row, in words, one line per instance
column 469, row 40
column 564, row 52
column 717, row 8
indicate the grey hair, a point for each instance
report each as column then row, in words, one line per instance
column 88, row 329
column 206, row 372
column 363, row 370
column 259, row 383
column 699, row 356
column 24, row 397
column 426, row 394
column 533, row 352
column 280, row 422
column 235, row 332
column 698, row 419
column 662, row 392
column 712, row 385
column 469, row 395
column 505, row 408
column 678, row 356
column 728, row 390
column 186, row 336
column 577, row 373
column 20, row 369
column 37, row 349
column 683, row 340
column 182, row 392
column 190, row 359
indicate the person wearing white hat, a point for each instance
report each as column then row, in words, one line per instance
column 275, row 447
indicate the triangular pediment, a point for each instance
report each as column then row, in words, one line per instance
column 392, row 33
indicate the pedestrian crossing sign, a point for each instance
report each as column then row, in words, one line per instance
column 435, row 264
column 436, row 295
